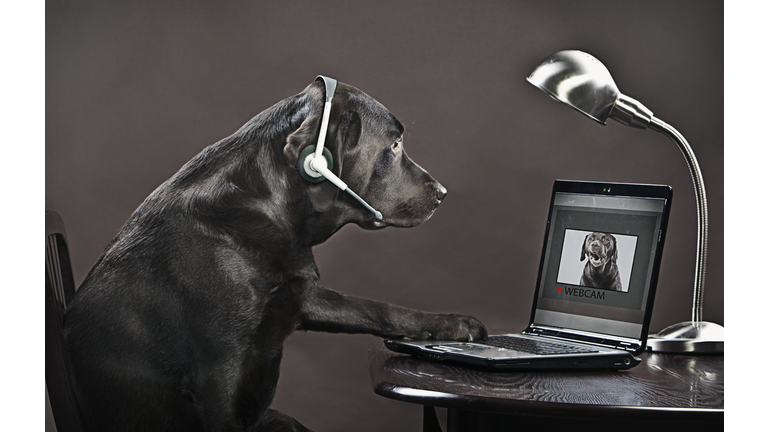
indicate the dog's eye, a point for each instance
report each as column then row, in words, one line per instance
column 396, row 144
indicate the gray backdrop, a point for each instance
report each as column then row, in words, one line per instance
column 134, row 89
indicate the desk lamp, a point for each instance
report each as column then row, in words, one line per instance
column 582, row 82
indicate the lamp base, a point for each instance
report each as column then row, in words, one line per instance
column 689, row 338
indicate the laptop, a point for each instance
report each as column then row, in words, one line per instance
column 595, row 289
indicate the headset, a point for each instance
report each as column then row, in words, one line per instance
column 315, row 162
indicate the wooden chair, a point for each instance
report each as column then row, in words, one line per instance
column 59, row 290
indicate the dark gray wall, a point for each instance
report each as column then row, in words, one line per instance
column 135, row 89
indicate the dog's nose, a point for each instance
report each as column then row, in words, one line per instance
column 441, row 193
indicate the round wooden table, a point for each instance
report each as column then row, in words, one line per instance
column 664, row 392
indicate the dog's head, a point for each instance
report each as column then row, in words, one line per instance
column 600, row 248
column 366, row 142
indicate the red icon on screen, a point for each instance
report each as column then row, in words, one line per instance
column 559, row 288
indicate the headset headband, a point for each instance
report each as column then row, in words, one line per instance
column 330, row 89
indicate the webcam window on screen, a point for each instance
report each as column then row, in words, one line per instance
column 598, row 262
column 595, row 259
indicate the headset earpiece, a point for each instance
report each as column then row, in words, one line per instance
column 305, row 169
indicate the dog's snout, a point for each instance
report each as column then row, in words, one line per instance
column 441, row 193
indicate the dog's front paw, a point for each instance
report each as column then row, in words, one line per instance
column 453, row 327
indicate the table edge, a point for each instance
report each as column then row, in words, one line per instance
column 510, row 406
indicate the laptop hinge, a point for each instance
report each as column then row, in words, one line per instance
column 607, row 341
column 627, row 346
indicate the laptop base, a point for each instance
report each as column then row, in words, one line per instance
column 487, row 357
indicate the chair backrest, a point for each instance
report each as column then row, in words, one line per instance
column 59, row 290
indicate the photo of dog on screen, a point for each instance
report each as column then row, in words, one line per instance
column 591, row 259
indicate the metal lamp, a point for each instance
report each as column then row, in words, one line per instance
column 584, row 83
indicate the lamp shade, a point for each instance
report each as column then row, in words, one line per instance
column 579, row 80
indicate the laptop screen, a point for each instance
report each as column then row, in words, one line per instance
column 600, row 262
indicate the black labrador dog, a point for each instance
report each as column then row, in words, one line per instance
column 601, row 270
column 180, row 324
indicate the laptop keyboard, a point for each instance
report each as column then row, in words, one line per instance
column 537, row 347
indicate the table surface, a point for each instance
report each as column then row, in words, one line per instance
column 662, row 385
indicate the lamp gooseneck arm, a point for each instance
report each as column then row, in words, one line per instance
column 701, row 212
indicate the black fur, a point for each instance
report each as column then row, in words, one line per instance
column 601, row 270
column 179, row 326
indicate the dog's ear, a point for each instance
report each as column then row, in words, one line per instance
column 584, row 249
column 614, row 249
column 350, row 129
column 305, row 135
